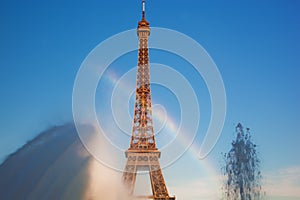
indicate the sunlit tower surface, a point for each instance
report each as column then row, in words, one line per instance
column 143, row 154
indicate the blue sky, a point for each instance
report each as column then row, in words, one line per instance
column 255, row 44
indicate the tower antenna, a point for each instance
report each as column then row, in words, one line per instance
column 143, row 9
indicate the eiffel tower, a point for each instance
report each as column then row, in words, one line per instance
column 143, row 154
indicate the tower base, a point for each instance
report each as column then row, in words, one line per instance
column 147, row 161
column 151, row 198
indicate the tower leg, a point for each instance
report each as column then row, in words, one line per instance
column 129, row 177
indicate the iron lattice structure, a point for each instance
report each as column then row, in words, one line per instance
column 143, row 154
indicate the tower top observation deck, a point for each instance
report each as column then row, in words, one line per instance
column 143, row 23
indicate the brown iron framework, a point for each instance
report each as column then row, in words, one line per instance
column 143, row 154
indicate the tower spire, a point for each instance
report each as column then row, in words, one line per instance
column 143, row 9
